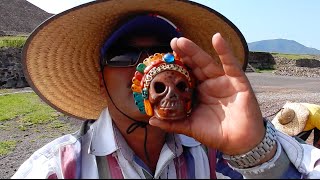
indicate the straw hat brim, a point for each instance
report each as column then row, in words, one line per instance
column 297, row 125
column 61, row 56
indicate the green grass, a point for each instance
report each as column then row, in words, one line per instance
column 6, row 147
column 293, row 56
column 12, row 41
column 28, row 108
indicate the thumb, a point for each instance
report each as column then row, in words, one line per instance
column 177, row 126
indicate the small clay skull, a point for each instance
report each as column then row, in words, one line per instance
column 169, row 95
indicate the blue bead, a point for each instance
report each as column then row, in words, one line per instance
column 168, row 58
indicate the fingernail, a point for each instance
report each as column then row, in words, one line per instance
column 217, row 34
column 151, row 122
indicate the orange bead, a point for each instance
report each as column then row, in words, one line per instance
column 136, row 88
column 135, row 81
column 176, row 57
column 148, row 107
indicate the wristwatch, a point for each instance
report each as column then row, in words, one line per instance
column 254, row 156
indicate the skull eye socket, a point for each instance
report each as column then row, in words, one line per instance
column 182, row 86
column 159, row 87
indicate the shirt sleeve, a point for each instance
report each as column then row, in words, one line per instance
column 48, row 162
column 292, row 160
column 38, row 166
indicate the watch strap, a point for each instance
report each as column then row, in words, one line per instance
column 254, row 156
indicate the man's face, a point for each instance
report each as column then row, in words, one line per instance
column 119, row 80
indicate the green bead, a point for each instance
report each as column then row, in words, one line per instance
column 140, row 67
column 138, row 100
column 142, row 110
column 137, row 96
column 139, row 104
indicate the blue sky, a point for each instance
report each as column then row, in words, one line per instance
column 257, row 19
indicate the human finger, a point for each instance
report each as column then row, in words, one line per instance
column 229, row 62
column 196, row 70
column 177, row 126
column 196, row 58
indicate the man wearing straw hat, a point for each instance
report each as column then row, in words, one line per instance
column 81, row 62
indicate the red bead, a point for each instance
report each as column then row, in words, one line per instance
column 138, row 75
column 180, row 63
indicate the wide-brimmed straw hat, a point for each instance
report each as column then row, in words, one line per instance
column 291, row 119
column 61, row 56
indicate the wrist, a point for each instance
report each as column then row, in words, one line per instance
column 263, row 152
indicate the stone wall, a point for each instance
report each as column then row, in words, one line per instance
column 299, row 67
column 285, row 67
column 11, row 73
column 310, row 63
column 261, row 60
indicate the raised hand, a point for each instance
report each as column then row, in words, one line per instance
column 227, row 116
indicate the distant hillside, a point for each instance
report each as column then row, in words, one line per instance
column 281, row 46
column 20, row 17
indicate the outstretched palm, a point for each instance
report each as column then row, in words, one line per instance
column 227, row 116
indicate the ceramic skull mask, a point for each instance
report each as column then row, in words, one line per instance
column 170, row 95
column 163, row 87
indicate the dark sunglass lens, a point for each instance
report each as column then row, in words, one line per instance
column 160, row 49
column 123, row 57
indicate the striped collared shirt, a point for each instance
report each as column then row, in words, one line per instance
column 102, row 152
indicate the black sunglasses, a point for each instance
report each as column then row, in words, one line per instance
column 128, row 56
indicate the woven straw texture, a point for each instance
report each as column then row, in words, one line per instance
column 297, row 124
column 61, row 57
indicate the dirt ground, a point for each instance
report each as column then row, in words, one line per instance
column 272, row 92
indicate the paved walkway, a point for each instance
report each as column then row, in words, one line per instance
column 272, row 81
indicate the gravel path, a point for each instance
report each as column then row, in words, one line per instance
column 272, row 92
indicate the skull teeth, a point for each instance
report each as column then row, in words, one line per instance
column 169, row 104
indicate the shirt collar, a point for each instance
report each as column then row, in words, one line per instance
column 107, row 139
column 103, row 139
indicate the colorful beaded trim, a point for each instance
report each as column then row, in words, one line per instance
column 147, row 70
